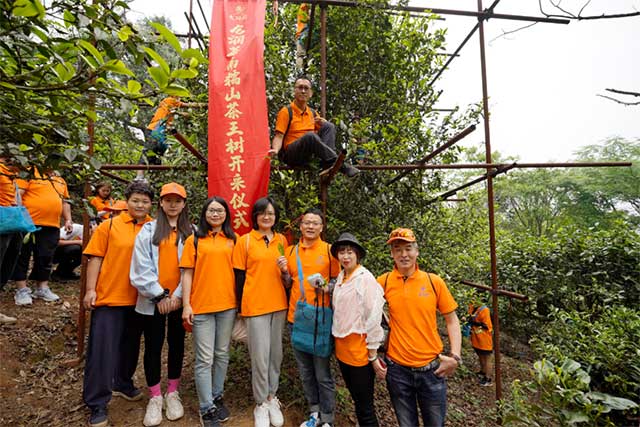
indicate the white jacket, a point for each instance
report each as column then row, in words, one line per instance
column 357, row 307
column 143, row 272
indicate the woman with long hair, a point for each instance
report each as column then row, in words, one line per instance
column 156, row 275
column 209, row 304
column 114, row 333
column 259, row 267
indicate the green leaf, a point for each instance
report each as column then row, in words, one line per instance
column 28, row 8
column 159, row 60
column 176, row 90
column 70, row 154
column 124, row 33
column 64, row 71
column 184, row 74
column 118, row 66
column 7, row 85
column 617, row 403
column 41, row 34
column 91, row 115
column 91, row 62
column 158, row 74
column 134, row 86
column 92, row 50
column 193, row 63
column 69, row 19
column 194, row 53
column 168, row 35
column 95, row 163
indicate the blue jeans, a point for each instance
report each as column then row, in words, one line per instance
column 211, row 342
column 317, row 382
column 409, row 389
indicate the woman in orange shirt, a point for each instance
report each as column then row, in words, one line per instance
column 209, row 304
column 259, row 266
column 102, row 199
column 155, row 274
column 357, row 305
column 114, row 334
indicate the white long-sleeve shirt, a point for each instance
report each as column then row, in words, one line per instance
column 357, row 307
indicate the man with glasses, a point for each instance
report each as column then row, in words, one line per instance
column 416, row 367
column 301, row 133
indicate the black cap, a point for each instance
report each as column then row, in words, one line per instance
column 348, row 239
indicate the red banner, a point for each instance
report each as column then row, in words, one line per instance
column 238, row 124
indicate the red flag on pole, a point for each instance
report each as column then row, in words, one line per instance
column 238, row 124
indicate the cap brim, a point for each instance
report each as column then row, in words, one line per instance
column 404, row 239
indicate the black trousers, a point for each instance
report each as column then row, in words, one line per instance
column 43, row 244
column 10, row 245
column 154, row 334
column 112, row 354
column 360, row 381
column 321, row 145
column 68, row 258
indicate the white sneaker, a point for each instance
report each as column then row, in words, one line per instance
column 46, row 294
column 275, row 414
column 314, row 419
column 174, row 411
column 261, row 415
column 23, row 296
column 153, row 417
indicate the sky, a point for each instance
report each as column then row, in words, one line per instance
column 543, row 81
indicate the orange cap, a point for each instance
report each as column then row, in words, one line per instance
column 173, row 188
column 119, row 205
column 404, row 234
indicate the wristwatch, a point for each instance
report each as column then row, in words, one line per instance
column 457, row 358
column 160, row 297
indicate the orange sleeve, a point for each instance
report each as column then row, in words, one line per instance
column 239, row 257
column 188, row 259
column 99, row 241
column 282, row 120
column 23, row 184
column 446, row 303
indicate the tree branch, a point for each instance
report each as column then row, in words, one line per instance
column 579, row 17
column 621, row 92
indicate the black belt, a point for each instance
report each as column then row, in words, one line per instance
column 433, row 365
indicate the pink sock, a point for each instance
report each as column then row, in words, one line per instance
column 155, row 390
column 173, row 385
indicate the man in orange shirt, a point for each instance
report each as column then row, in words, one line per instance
column 45, row 197
column 315, row 371
column 301, row 133
column 416, row 367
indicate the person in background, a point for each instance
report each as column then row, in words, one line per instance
column 68, row 254
column 46, row 198
column 357, row 313
column 209, row 305
column 118, row 207
column 416, row 367
column 10, row 243
column 481, row 339
column 315, row 372
column 257, row 263
column 115, row 328
column 155, row 274
column 102, row 199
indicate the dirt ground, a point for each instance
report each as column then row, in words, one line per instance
column 40, row 385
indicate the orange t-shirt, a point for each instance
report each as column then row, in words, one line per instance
column 164, row 110
column 482, row 338
column 43, row 198
column 352, row 350
column 314, row 259
column 213, row 287
column 301, row 123
column 100, row 203
column 168, row 263
column 7, row 185
column 114, row 240
column 413, row 339
column 263, row 289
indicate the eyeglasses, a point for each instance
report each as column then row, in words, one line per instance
column 267, row 214
column 311, row 223
column 212, row 211
column 302, row 88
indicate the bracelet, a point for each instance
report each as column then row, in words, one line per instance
column 373, row 359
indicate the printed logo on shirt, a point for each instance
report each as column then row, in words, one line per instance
column 423, row 292
column 320, row 260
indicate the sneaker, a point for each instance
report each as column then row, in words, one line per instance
column 131, row 395
column 23, row 296
column 46, row 294
column 223, row 412
column 174, row 410
column 98, row 418
column 210, row 418
column 153, row 417
column 486, row 382
column 349, row 171
column 261, row 415
column 7, row 319
column 312, row 421
column 275, row 414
